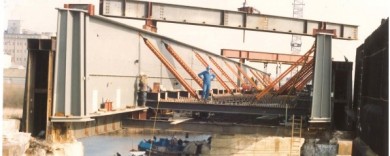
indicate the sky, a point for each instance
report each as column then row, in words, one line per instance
column 41, row 16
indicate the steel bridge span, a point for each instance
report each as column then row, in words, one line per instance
column 231, row 104
column 80, row 93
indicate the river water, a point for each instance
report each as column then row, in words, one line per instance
column 110, row 144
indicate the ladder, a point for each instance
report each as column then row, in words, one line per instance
column 296, row 135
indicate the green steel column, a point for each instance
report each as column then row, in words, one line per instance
column 321, row 105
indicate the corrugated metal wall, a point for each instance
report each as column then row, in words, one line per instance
column 371, row 89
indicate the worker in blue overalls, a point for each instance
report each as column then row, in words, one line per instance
column 207, row 77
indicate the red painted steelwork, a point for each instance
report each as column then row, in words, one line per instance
column 234, row 72
column 258, row 78
column 184, row 65
column 304, row 81
column 212, row 70
column 150, row 24
column 247, row 77
column 266, row 78
column 298, row 77
column 328, row 31
column 170, row 68
column 223, row 72
column 262, row 57
column 263, row 77
column 306, row 78
column 277, row 80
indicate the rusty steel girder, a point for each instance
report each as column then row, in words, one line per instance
column 258, row 77
column 170, row 68
column 223, row 72
column 306, row 78
column 298, row 77
column 293, row 83
column 184, row 65
column 234, row 72
column 304, row 81
column 262, row 77
column 212, row 70
column 300, row 60
column 263, row 57
column 267, row 78
column 247, row 77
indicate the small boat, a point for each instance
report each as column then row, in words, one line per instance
column 137, row 153
column 133, row 153
column 174, row 147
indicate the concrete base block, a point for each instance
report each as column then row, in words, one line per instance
column 313, row 147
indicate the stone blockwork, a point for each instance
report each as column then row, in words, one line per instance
column 237, row 145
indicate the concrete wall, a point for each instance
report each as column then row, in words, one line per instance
column 68, row 132
column 237, row 145
column 222, row 128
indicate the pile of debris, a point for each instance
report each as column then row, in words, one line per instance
column 14, row 142
column 17, row 143
column 42, row 147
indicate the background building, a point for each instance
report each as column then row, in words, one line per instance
column 15, row 42
column 14, row 27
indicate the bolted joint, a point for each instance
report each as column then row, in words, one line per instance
column 150, row 25
column 331, row 32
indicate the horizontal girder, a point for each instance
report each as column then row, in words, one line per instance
column 263, row 57
column 171, row 13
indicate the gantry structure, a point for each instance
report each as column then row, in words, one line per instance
column 98, row 61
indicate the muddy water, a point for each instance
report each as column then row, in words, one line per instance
column 109, row 144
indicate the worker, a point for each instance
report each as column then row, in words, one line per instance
column 207, row 77
column 143, row 89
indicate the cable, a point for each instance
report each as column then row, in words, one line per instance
column 154, row 127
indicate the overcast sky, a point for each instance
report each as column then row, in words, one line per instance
column 41, row 16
